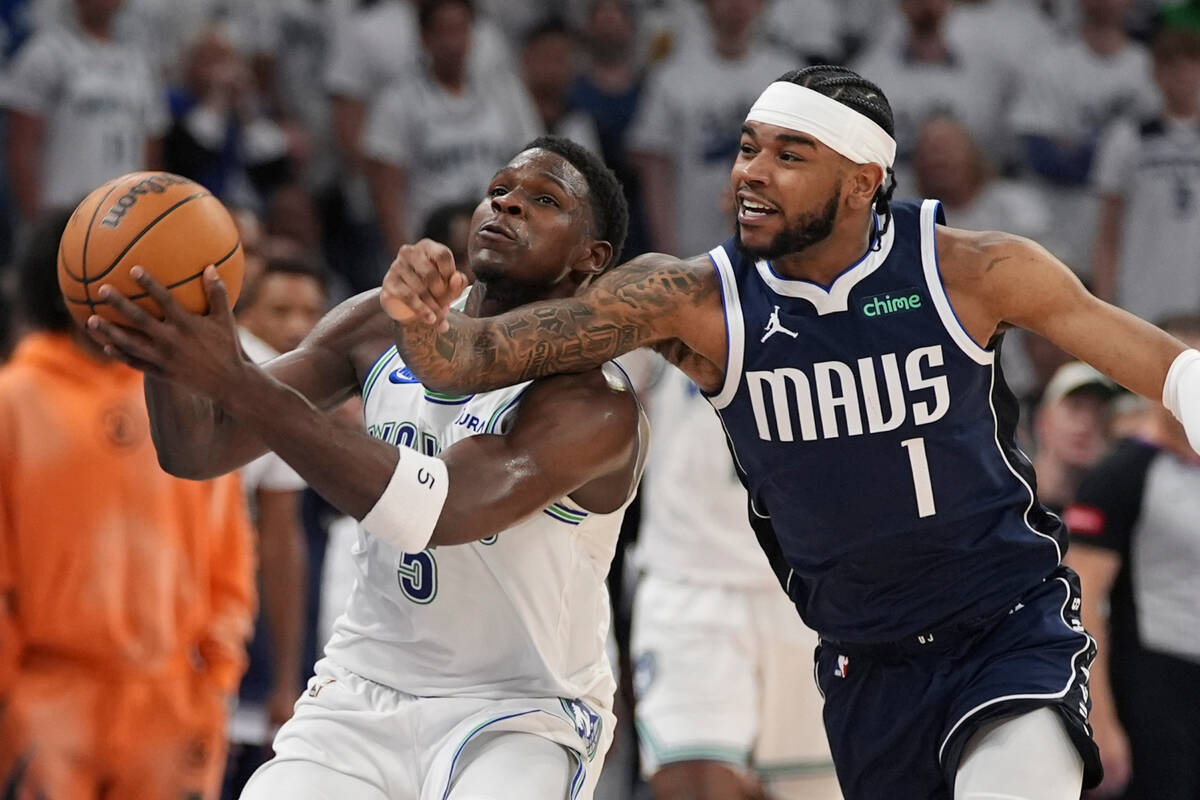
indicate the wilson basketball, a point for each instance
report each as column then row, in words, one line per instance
column 170, row 226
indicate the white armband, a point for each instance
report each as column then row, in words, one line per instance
column 407, row 511
column 1181, row 394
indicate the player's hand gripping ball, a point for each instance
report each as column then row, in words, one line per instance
column 170, row 226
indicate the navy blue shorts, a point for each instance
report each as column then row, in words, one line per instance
column 898, row 716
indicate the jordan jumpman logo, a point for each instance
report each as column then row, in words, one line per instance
column 774, row 326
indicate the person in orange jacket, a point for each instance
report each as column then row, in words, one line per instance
column 126, row 595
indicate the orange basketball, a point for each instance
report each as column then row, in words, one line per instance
column 170, row 226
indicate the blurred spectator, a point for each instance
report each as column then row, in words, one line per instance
column 808, row 30
column 439, row 136
column 609, row 91
column 923, row 71
column 81, row 109
column 292, row 215
column 1071, row 93
column 123, row 610
column 548, row 66
column 274, row 314
column 719, row 712
column 15, row 26
column 685, row 136
column 1148, row 175
column 1071, row 430
column 221, row 136
column 950, row 166
column 1134, row 544
column 451, row 225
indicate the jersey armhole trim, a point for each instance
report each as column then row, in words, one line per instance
column 734, row 328
column 937, row 289
column 376, row 371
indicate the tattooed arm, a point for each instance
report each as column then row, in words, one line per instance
column 649, row 300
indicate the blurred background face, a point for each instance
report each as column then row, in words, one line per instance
column 1179, row 79
column 734, row 18
column 946, row 161
column 925, row 16
column 447, row 38
column 1074, row 428
column 97, row 11
column 610, row 28
column 547, row 63
column 1104, row 12
column 284, row 309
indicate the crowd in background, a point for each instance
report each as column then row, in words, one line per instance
column 336, row 130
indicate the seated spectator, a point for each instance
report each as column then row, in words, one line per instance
column 1071, row 431
column 221, row 136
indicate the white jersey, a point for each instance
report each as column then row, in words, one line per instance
column 524, row 613
column 692, row 112
column 1154, row 167
column 100, row 102
column 694, row 524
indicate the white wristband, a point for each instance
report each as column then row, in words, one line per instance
column 1181, row 394
column 407, row 511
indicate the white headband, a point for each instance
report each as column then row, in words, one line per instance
column 837, row 126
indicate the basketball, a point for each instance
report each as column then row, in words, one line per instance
column 169, row 225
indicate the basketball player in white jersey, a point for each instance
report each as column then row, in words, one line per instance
column 720, row 711
column 471, row 671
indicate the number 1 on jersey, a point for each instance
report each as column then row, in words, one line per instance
column 922, row 483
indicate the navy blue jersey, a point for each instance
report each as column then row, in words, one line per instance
column 876, row 440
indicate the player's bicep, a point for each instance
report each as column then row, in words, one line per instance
column 1034, row 290
column 555, row 445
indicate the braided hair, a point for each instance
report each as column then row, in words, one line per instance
column 853, row 90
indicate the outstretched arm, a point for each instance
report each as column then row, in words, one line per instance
column 190, row 360
column 651, row 299
column 999, row 279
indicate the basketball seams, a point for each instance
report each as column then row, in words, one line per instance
column 138, row 237
column 83, row 279
column 142, row 295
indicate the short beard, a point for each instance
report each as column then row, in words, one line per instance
column 802, row 235
column 502, row 289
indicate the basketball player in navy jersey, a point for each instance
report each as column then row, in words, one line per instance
column 877, row 445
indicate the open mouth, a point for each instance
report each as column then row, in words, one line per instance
column 749, row 208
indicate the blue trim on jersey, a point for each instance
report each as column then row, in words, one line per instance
column 937, row 262
column 471, row 735
column 376, row 370
column 728, row 332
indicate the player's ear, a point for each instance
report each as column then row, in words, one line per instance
column 593, row 257
column 864, row 181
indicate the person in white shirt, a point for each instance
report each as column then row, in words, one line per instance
column 722, row 711
column 685, row 135
column 1071, row 93
column 81, row 109
column 1148, row 176
column 438, row 136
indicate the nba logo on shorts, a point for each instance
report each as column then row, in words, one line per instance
column 843, row 666
column 587, row 723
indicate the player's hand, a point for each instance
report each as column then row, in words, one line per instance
column 421, row 283
column 1114, row 755
column 200, row 352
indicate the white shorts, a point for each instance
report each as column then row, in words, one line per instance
column 354, row 738
column 726, row 674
